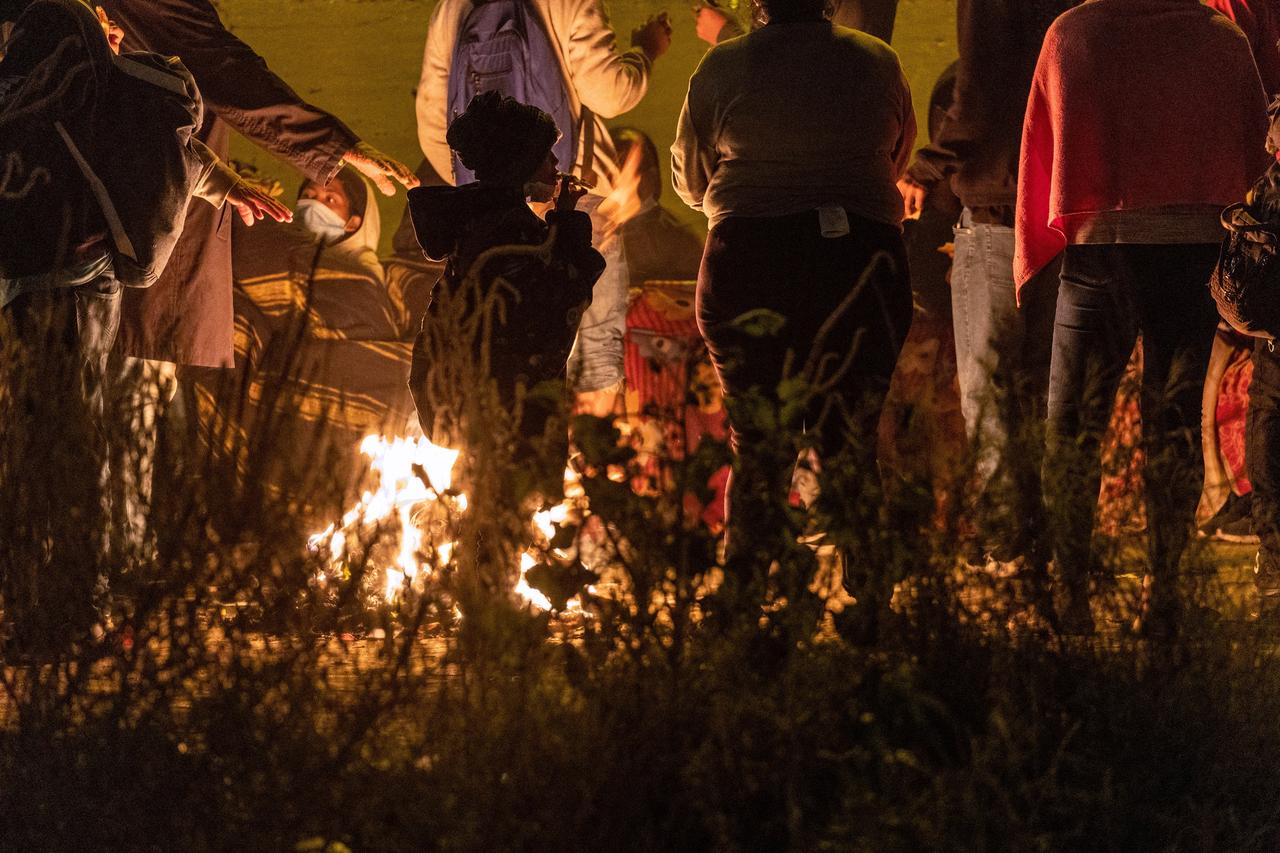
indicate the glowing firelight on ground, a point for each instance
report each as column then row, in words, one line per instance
column 399, row 466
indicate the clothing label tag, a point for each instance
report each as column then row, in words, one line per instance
column 833, row 221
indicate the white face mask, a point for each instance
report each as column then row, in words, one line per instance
column 320, row 220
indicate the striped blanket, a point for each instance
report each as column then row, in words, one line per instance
column 322, row 353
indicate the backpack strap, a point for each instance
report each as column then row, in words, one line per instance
column 587, row 133
column 114, row 224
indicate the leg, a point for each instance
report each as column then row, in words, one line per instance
column 595, row 364
column 1262, row 436
column 1178, row 319
column 749, row 368
column 1094, row 331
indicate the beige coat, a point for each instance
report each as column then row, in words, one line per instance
column 601, row 78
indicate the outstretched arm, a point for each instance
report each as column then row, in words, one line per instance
column 239, row 88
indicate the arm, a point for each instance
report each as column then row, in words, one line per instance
column 432, row 100
column 984, row 55
column 907, row 124
column 237, row 85
column 608, row 82
column 693, row 159
column 219, row 184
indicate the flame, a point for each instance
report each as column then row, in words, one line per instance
column 623, row 202
column 400, row 465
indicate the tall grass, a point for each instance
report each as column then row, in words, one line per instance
column 176, row 678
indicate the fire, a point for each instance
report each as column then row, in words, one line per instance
column 623, row 202
column 412, row 473
column 409, row 472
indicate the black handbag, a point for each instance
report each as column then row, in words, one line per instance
column 1246, row 281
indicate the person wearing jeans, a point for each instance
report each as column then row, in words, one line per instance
column 1002, row 362
column 1002, row 351
column 1146, row 118
column 1110, row 293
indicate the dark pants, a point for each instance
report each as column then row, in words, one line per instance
column 58, row 340
column 69, row 332
column 1110, row 294
column 1262, row 437
column 785, row 266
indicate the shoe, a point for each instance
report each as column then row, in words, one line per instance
column 1239, row 529
column 1236, row 509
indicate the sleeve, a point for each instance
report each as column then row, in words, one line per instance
column 432, row 99
column 907, row 135
column 217, row 179
column 693, row 156
column 609, row 82
column 983, row 36
column 239, row 88
column 573, row 253
column 1036, row 240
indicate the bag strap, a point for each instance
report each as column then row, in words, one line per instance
column 1227, row 218
column 114, row 224
column 587, row 133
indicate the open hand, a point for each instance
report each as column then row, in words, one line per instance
column 253, row 204
column 379, row 168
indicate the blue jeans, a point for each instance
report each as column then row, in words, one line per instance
column 596, row 360
column 1002, row 363
column 1110, row 294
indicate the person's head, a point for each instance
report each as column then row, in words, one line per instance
column 335, row 210
column 506, row 143
column 626, row 140
column 766, row 12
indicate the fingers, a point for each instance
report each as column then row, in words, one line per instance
column 246, row 212
column 276, row 210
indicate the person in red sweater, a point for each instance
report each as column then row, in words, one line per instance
column 1260, row 22
column 1146, row 118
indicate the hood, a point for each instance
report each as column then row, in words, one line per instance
column 442, row 215
column 364, row 240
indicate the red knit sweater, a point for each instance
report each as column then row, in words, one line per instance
column 1135, row 104
column 1260, row 22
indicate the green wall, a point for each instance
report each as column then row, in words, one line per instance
column 360, row 60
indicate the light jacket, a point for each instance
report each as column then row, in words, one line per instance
column 601, row 78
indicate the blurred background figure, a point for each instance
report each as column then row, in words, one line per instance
column 658, row 246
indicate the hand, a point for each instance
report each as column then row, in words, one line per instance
column 379, row 168
column 708, row 23
column 654, row 37
column 913, row 196
column 570, row 193
column 110, row 29
column 253, row 204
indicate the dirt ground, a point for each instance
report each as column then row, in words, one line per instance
column 360, row 59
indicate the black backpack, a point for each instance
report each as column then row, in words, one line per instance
column 1246, row 281
column 93, row 143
